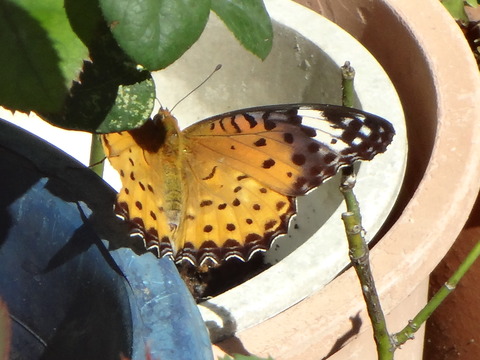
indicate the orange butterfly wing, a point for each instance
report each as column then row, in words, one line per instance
column 236, row 174
column 229, row 214
column 151, row 183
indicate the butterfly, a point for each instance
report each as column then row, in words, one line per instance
column 225, row 187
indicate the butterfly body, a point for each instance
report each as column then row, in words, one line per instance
column 226, row 186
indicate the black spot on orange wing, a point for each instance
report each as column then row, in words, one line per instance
column 138, row 223
column 231, row 243
column 206, row 203
column 267, row 164
column 288, row 138
column 269, row 125
column 208, row 245
column 270, row 224
column 253, row 237
column 266, row 115
column 299, row 159
column 260, row 142
column 208, row 228
column 235, row 125
column 231, row 227
column 251, row 120
column 211, row 175
column 221, row 124
column 222, row 206
column 153, row 216
column 310, row 132
column 280, row 205
column 293, row 117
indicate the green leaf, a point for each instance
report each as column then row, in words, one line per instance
column 96, row 94
column 85, row 18
column 155, row 33
column 250, row 23
column 41, row 55
column 5, row 331
column 133, row 106
column 106, row 103
column 456, row 9
column 472, row 3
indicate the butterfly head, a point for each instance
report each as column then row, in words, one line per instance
column 165, row 119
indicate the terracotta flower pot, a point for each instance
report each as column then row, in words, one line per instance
column 429, row 62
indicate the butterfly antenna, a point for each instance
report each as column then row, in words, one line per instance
column 218, row 67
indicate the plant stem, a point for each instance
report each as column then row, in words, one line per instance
column 358, row 249
column 348, row 74
column 359, row 255
column 407, row 333
column 96, row 155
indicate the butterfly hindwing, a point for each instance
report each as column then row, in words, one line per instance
column 229, row 214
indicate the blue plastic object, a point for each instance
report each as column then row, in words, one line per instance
column 69, row 296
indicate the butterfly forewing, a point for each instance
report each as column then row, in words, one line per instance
column 291, row 148
column 231, row 182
